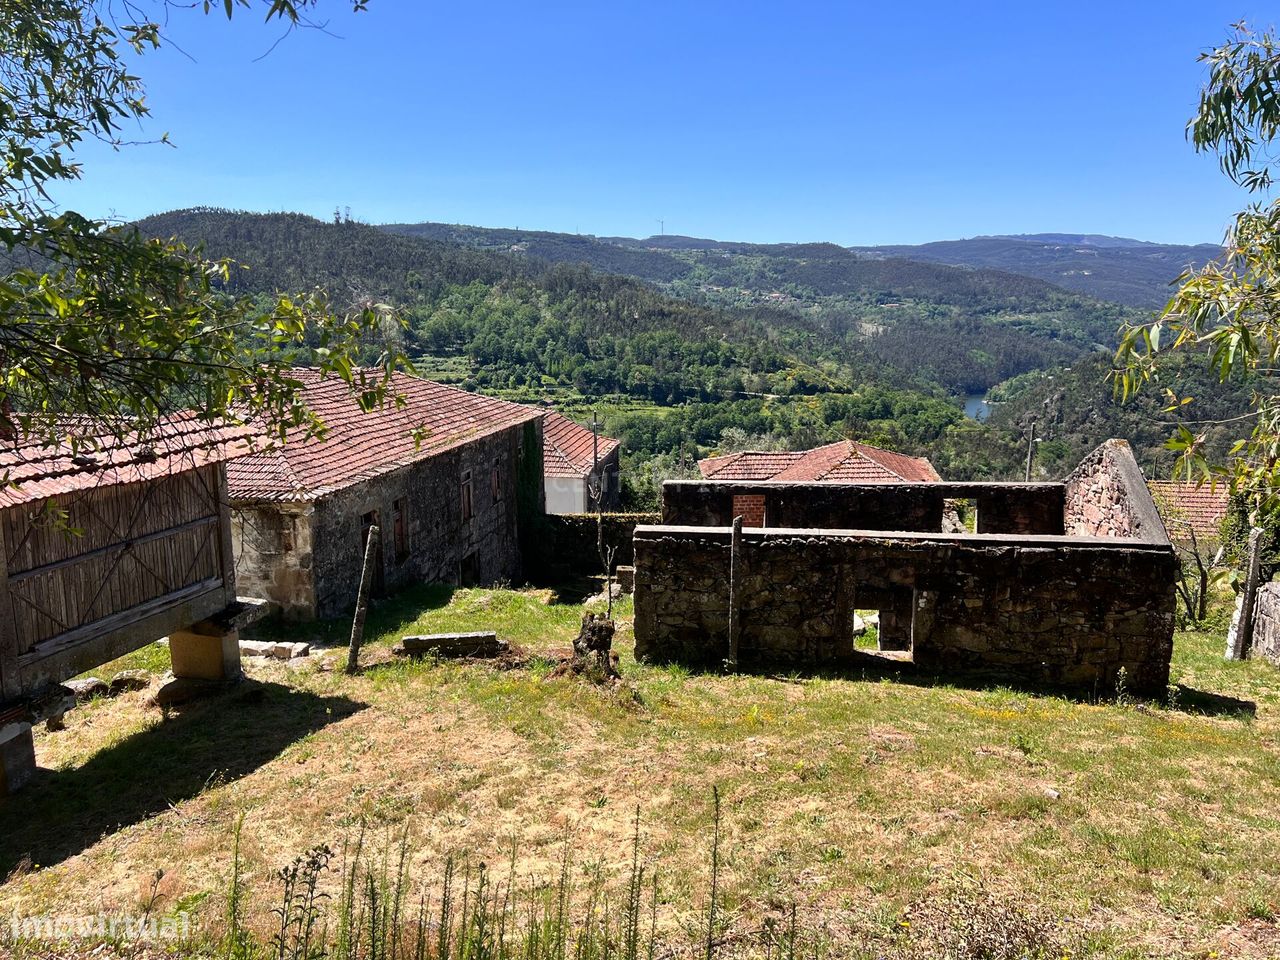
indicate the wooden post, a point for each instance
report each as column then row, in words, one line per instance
column 362, row 599
column 1031, row 448
column 1240, row 639
column 735, row 592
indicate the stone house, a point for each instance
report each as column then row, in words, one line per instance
column 448, row 477
column 844, row 461
column 578, row 465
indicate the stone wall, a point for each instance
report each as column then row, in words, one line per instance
column 1107, row 496
column 1266, row 623
column 1002, row 508
column 272, row 547
column 1041, row 609
column 442, row 547
column 573, row 538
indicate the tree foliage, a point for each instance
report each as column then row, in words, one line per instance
column 95, row 318
column 1228, row 311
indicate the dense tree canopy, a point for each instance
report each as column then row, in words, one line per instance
column 97, row 319
column 1229, row 310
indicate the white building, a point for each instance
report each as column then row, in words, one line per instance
column 576, row 464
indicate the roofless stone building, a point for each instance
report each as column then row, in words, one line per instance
column 1062, row 583
column 105, row 551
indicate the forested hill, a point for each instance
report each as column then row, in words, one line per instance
column 516, row 321
column 1134, row 273
column 1131, row 272
column 816, row 269
column 790, row 345
column 964, row 329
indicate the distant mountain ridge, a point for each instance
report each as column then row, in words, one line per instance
column 1134, row 273
column 1083, row 239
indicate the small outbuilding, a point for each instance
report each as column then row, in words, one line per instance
column 446, row 475
column 844, row 461
column 580, row 466
column 106, row 548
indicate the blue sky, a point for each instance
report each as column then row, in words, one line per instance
column 851, row 122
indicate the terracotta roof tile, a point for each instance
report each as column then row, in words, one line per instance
column 843, row 461
column 359, row 445
column 1201, row 507
column 567, row 447
column 184, row 441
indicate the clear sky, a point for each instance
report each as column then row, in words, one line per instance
column 853, row 121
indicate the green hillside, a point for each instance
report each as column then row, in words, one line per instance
column 962, row 329
column 784, row 346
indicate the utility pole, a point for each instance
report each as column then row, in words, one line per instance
column 595, row 457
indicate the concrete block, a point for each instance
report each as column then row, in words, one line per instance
column 626, row 579
column 205, row 652
column 256, row 648
column 17, row 756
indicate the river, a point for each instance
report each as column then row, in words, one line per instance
column 976, row 406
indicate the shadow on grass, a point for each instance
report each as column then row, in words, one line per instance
column 391, row 613
column 574, row 591
column 873, row 666
column 224, row 738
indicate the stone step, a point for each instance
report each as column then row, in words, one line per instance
column 480, row 644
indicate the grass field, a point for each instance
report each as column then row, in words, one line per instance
column 869, row 800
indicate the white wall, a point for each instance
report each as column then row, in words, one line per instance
column 566, row 495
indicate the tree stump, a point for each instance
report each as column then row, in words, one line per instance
column 593, row 649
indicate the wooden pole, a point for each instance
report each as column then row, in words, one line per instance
column 1031, row 446
column 735, row 592
column 362, row 599
column 1241, row 640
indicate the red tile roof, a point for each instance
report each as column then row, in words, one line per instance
column 1183, row 504
column 567, row 449
column 37, row 469
column 844, row 461
column 360, row 445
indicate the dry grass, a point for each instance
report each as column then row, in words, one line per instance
column 862, row 798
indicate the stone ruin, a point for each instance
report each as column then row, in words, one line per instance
column 1062, row 584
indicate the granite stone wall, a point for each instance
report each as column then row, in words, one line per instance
column 1002, row 508
column 572, row 538
column 272, row 548
column 1107, row 496
column 1064, row 584
column 1266, row 623
column 1039, row 609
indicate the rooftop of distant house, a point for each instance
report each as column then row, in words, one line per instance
column 1184, row 505
column 89, row 453
column 359, row 445
column 570, row 449
column 845, row 461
